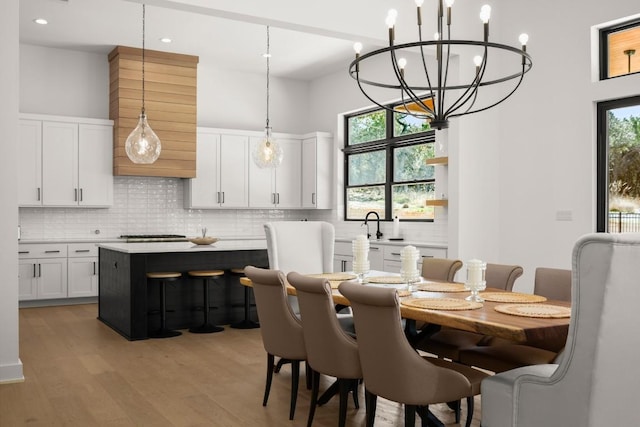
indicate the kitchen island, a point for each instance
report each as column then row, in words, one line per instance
column 129, row 306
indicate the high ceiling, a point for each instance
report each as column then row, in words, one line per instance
column 308, row 39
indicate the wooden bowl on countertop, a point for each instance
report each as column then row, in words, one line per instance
column 203, row 240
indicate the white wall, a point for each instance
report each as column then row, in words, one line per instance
column 74, row 83
column 10, row 364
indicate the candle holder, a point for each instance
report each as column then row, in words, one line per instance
column 476, row 282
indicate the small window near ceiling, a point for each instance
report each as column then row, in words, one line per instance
column 620, row 50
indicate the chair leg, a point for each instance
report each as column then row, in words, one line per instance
column 280, row 363
column 308, row 375
column 345, row 387
column 267, row 387
column 456, row 406
column 295, row 378
column 410, row 415
column 470, row 403
column 354, row 390
column 315, row 385
column 370, row 401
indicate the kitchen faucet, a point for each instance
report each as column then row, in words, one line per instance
column 366, row 218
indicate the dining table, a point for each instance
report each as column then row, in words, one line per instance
column 484, row 319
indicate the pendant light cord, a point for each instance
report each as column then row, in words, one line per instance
column 268, row 57
column 143, row 32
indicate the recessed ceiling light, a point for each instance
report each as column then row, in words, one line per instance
column 166, row 40
column 41, row 21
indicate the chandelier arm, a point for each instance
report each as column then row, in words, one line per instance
column 497, row 102
column 444, row 113
column 404, row 87
column 426, row 71
column 472, row 89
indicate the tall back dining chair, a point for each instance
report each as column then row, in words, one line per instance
column 440, row 268
column 448, row 342
column 303, row 246
column 281, row 330
column 499, row 355
column 306, row 247
column 330, row 350
column 392, row 369
column 595, row 384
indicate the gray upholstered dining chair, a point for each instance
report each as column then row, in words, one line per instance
column 448, row 342
column 595, row 383
column 392, row 369
column 499, row 355
column 440, row 268
column 330, row 350
column 280, row 328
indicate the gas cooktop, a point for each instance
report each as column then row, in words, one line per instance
column 131, row 238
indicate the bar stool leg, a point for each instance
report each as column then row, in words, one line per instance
column 207, row 327
column 163, row 332
column 246, row 323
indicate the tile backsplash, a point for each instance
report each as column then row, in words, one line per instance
column 150, row 205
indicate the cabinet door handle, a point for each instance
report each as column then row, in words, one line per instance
column 373, row 248
column 81, row 194
column 39, row 191
column 217, row 197
column 94, row 268
column 395, row 253
column 313, row 198
column 34, row 271
column 81, row 250
column 39, row 270
column 75, row 194
column 277, row 198
column 427, row 256
column 23, row 252
column 223, row 197
column 273, row 198
column 51, row 252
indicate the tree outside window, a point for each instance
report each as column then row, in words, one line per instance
column 385, row 166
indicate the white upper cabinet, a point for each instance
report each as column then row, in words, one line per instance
column 280, row 187
column 95, row 165
column 65, row 162
column 221, row 172
column 317, row 171
column 30, row 163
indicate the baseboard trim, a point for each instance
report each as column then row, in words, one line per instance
column 10, row 374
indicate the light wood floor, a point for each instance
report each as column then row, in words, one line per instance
column 81, row 373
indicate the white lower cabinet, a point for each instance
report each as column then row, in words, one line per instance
column 57, row 271
column 82, row 264
column 42, row 272
column 392, row 262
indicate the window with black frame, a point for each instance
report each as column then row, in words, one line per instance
column 620, row 50
column 619, row 166
column 385, row 157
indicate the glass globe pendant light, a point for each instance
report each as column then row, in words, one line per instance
column 268, row 153
column 143, row 145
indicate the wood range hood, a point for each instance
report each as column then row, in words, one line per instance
column 170, row 103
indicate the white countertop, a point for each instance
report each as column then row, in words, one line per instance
column 397, row 242
column 165, row 247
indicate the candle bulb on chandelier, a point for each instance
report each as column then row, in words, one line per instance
column 485, row 15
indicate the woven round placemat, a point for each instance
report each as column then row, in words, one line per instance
column 403, row 293
column 441, row 303
column 535, row 310
column 441, row 287
column 386, row 279
column 511, row 297
column 334, row 278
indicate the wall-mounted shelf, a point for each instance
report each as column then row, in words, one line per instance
column 437, row 202
column 437, row 161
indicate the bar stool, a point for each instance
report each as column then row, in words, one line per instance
column 206, row 275
column 246, row 323
column 162, row 278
